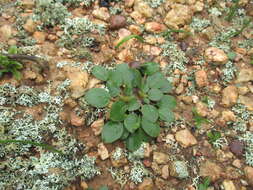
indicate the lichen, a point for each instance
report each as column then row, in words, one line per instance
column 199, row 24
column 138, row 172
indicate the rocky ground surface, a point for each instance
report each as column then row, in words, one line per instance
column 198, row 49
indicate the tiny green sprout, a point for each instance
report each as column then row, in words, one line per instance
column 213, row 136
column 246, row 23
column 198, row 120
column 125, row 39
column 8, row 65
column 251, row 62
column 140, row 102
column 45, row 146
column 205, row 184
column 233, row 10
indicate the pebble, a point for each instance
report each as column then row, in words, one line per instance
column 228, row 185
column 229, row 96
column 245, row 75
column 155, row 27
column 97, row 126
column 165, row 172
column 236, row 147
column 147, row 184
column 178, row 16
column 102, row 151
column 201, row 78
column 84, row 185
column 247, row 101
column 237, row 163
column 185, row 138
column 5, row 32
column 178, row 169
column 143, row 8
column 30, row 25
column 210, row 169
column 79, row 80
column 160, row 158
column 117, row 22
column 202, row 109
column 227, row 116
column 76, row 120
column 249, row 174
column 39, row 37
column 101, row 13
column 215, row 55
column 27, row 4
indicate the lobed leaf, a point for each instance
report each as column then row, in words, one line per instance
column 152, row 129
column 97, row 97
column 112, row 131
column 100, row 72
column 118, row 111
column 149, row 113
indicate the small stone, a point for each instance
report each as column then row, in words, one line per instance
column 237, row 163
column 210, row 169
column 242, row 90
column 28, row 74
column 247, row 101
column 143, row 8
column 135, row 29
column 117, row 22
column 147, row 184
column 129, row 3
column 165, row 172
column 76, row 120
column 5, row 32
column 180, row 89
column 185, row 138
column 245, row 75
column 229, row 96
column 215, row 55
column 201, row 78
column 249, row 174
column 160, row 158
column 178, row 169
column 155, row 27
column 178, row 16
column 27, row 4
column 227, row 116
column 202, row 109
column 70, row 102
column 97, row 126
column 30, row 26
column 79, row 80
column 126, row 55
column 84, row 185
column 39, row 37
column 236, row 147
column 102, row 151
column 101, row 13
column 228, row 185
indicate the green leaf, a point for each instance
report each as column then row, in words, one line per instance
column 125, row 134
column 137, row 78
column 166, row 86
column 125, row 39
column 156, row 80
column 155, row 94
column 97, row 97
column 168, row 102
column 132, row 122
column 112, row 131
column 133, row 105
column 116, row 78
column 103, row 188
column 126, row 73
column 114, row 90
column 231, row 55
column 152, row 129
column 13, row 50
column 149, row 113
column 16, row 74
column 118, row 111
column 213, row 136
column 150, row 68
column 100, row 72
column 166, row 115
column 135, row 140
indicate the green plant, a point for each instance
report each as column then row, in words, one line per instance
column 204, row 185
column 198, row 120
column 125, row 39
column 213, row 136
column 140, row 102
column 8, row 65
column 233, row 10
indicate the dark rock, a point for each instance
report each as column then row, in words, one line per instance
column 117, row 22
column 236, row 147
column 104, row 3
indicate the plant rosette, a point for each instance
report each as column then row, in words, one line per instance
column 141, row 101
